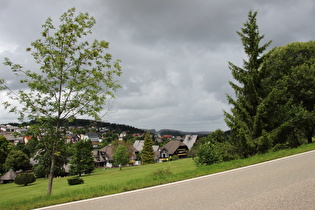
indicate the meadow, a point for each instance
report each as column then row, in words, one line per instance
column 105, row 182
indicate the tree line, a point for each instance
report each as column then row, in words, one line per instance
column 274, row 102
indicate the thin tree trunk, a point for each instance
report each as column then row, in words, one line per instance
column 51, row 175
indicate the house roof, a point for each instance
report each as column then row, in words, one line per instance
column 98, row 156
column 155, row 147
column 10, row 175
column 190, row 140
column 92, row 136
column 138, row 145
column 172, row 146
column 109, row 151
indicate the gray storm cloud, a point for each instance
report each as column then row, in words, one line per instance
column 174, row 53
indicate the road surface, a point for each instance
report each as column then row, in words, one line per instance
column 287, row 183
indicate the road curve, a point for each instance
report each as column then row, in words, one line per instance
column 286, row 183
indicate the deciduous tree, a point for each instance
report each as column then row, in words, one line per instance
column 75, row 77
column 290, row 92
column 5, row 147
column 121, row 156
column 17, row 160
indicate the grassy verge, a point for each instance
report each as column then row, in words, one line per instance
column 110, row 181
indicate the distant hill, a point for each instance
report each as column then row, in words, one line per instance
column 130, row 129
column 110, row 126
column 182, row 133
column 117, row 128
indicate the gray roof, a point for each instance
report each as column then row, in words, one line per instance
column 9, row 176
column 190, row 140
column 93, row 136
column 138, row 145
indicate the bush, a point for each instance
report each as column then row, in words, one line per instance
column 75, row 180
column 174, row 157
column 161, row 172
column 278, row 147
column 24, row 179
column 207, row 154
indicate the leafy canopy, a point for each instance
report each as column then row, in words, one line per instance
column 121, row 156
column 75, row 77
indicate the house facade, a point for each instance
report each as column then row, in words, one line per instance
column 173, row 148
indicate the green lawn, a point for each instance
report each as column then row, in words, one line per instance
column 104, row 182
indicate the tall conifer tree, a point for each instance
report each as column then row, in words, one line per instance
column 147, row 154
column 243, row 120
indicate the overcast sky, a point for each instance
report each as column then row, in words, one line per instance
column 174, row 53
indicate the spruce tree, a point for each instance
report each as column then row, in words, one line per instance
column 244, row 120
column 82, row 159
column 147, row 154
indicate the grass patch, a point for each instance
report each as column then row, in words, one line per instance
column 110, row 181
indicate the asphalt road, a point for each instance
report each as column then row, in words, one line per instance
column 287, row 183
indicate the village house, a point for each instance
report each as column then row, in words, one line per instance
column 93, row 137
column 104, row 157
column 173, row 148
column 122, row 135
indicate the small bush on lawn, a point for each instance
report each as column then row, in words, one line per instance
column 24, row 179
column 75, row 180
column 161, row 172
column 174, row 157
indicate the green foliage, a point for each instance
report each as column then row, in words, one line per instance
column 30, row 147
column 75, row 77
column 4, row 151
column 147, row 153
column 17, row 160
column 121, row 156
column 174, row 157
column 119, row 181
column 275, row 95
column 43, row 157
column 82, row 159
column 75, row 181
column 207, row 154
column 244, row 120
column 216, row 148
column 24, row 179
column 160, row 172
column 291, row 76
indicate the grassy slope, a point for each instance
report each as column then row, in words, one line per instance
column 114, row 180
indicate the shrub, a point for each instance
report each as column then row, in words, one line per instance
column 207, row 154
column 161, row 172
column 24, row 179
column 174, row 157
column 75, row 180
column 278, row 147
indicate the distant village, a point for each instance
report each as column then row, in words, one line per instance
column 165, row 147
